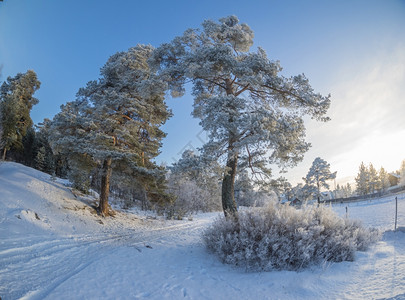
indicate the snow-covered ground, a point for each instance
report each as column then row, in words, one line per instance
column 53, row 246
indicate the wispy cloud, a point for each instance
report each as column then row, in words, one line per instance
column 367, row 111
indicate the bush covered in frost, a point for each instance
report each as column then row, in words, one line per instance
column 282, row 237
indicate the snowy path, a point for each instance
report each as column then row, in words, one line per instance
column 34, row 267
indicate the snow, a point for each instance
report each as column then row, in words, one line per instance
column 53, row 246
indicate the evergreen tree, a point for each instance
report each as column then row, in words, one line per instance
column 253, row 115
column 16, row 102
column 401, row 173
column 30, row 149
column 383, row 179
column 362, row 180
column 40, row 159
column 338, row 192
column 317, row 177
column 300, row 192
column 115, row 121
column 373, row 179
column 348, row 190
column 50, row 160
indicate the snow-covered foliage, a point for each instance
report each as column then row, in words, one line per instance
column 16, row 102
column 249, row 194
column 368, row 180
column 383, row 179
column 244, row 190
column 195, row 183
column 253, row 115
column 361, row 180
column 318, row 176
column 343, row 191
column 115, row 121
column 402, row 173
column 282, row 237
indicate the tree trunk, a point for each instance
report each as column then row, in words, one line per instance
column 105, row 187
column 228, row 183
column 228, row 186
column 4, row 153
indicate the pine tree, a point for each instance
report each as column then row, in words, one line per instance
column 348, row 190
column 29, row 150
column 16, row 102
column 41, row 141
column 318, row 175
column 253, row 115
column 362, row 180
column 282, row 188
column 401, row 172
column 115, row 121
column 383, row 179
column 40, row 159
column 373, row 179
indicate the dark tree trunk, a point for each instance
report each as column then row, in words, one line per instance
column 4, row 153
column 105, row 187
column 228, row 183
column 228, row 186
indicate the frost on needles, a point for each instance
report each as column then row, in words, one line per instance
column 252, row 114
column 114, row 124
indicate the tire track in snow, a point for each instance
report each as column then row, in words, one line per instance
column 33, row 271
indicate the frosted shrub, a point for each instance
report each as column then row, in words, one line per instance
column 282, row 237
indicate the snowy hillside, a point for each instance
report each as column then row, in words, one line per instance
column 54, row 246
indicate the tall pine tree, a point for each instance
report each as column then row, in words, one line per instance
column 253, row 115
column 115, row 121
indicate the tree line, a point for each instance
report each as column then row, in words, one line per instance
column 368, row 181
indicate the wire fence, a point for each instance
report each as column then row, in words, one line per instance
column 380, row 194
column 386, row 212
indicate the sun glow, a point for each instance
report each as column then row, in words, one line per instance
column 382, row 150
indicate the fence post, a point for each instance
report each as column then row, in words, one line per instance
column 396, row 213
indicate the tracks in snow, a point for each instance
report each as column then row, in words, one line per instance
column 32, row 268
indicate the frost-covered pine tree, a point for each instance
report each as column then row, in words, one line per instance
column 318, row 175
column 347, row 190
column 362, row 180
column 16, row 102
column 253, row 115
column 383, row 180
column 401, row 172
column 373, row 179
column 115, row 121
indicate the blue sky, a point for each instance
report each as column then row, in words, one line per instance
column 354, row 50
